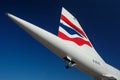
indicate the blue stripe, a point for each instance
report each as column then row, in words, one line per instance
column 69, row 30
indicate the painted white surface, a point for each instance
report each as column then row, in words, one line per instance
column 85, row 57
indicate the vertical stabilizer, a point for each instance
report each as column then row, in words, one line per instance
column 70, row 30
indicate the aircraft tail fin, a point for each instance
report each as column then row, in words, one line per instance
column 71, row 30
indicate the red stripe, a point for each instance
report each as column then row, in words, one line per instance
column 77, row 40
column 72, row 25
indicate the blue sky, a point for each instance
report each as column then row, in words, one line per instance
column 23, row 58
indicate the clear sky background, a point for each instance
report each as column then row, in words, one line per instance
column 23, row 58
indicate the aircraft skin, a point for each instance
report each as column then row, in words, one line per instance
column 72, row 45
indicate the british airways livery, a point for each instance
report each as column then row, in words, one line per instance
column 72, row 45
column 68, row 30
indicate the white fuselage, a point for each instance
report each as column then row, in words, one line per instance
column 89, row 64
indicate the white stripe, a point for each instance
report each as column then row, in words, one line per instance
column 70, row 17
column 63, row 22
column 67, row 25
column 69, row 35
